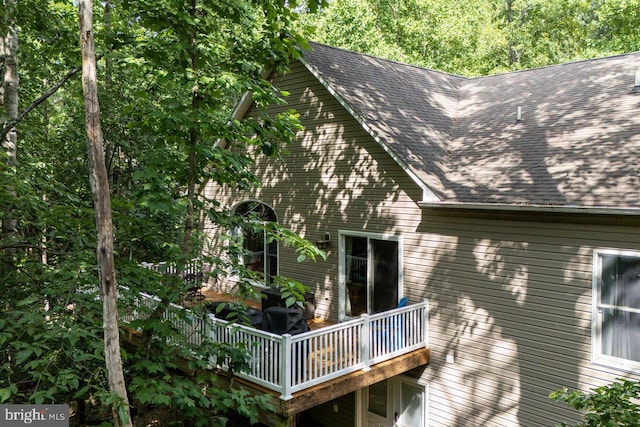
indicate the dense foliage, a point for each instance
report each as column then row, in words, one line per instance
column 170, row 73
column 615, row 404
column 479, row 37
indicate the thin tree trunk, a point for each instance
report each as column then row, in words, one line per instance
column 190, row 220
column 108, row 145
column 45, row 122
column 514, row 57
column 9, row 51
column 102, row 205
column 193, row 141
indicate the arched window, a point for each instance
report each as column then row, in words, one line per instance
column 259, row 254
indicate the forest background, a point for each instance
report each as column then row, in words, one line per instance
column 169, row 75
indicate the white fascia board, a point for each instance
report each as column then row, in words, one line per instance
column 533, row 208
column 428, row 196
column 241, row 108
column 239, row 111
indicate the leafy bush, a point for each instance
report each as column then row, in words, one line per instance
column 612, row 405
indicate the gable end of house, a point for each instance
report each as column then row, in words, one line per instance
column 428, row 196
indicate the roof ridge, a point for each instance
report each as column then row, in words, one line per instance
column 403, row 64
column 562, row 64
column 499, row 74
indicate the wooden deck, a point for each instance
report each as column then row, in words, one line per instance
column 285, row 410
column 284, row 414
column 215, row 296
column 301, row 371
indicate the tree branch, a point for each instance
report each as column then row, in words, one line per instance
column 19, row 246
column 10, row 125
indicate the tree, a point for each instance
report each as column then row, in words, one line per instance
column 102, row 204
column 480, row 37
column 155, row 55
column 9, row 99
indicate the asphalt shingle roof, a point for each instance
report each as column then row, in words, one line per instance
column 578, row 143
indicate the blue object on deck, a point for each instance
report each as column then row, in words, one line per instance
column 403, row 302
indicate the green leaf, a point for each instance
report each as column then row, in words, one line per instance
column 82, row 393
column 23, row 355
column 5, row 394
column 29, row 301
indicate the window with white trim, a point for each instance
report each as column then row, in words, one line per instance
column 616, row 309
column 260, row 254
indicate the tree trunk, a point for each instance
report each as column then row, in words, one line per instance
column 514, row 56
column 109, row 147
column 190, row 220
column 9, row 52
column 193, row 141
column 102, row 205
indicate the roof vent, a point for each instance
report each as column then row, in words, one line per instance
column 636, row 88
column 519, row 115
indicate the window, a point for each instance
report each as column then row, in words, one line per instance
column 616, row 316
column 370, row 273
column 259, row 254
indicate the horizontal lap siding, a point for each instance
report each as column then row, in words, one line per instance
column 511, row 302
column 338, row 178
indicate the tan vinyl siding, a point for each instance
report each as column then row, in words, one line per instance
column 510, row 299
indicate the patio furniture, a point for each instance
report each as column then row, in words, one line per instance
column 274, row 299
column 282, row 320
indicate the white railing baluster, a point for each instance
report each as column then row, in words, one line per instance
column 425, row 323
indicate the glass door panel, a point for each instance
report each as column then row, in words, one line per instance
column 410, row 406
column 397, row 402
column 377, row 410
column 357, row 273
column 271, row 263
column 385, row 275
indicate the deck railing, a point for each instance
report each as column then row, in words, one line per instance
column 290, row 363
column 191, row 270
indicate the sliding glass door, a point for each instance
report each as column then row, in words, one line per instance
column 370, row 278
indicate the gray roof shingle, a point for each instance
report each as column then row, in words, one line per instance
column 578, row 143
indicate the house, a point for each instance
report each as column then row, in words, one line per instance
column 511, row 202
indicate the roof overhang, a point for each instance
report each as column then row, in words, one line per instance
column 428, row 196
column 557, row 209
column 241, row 108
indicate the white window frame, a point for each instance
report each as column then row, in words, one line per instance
column 239, row 232
column 400, row 379
column 597, row 316
column 342, row 285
